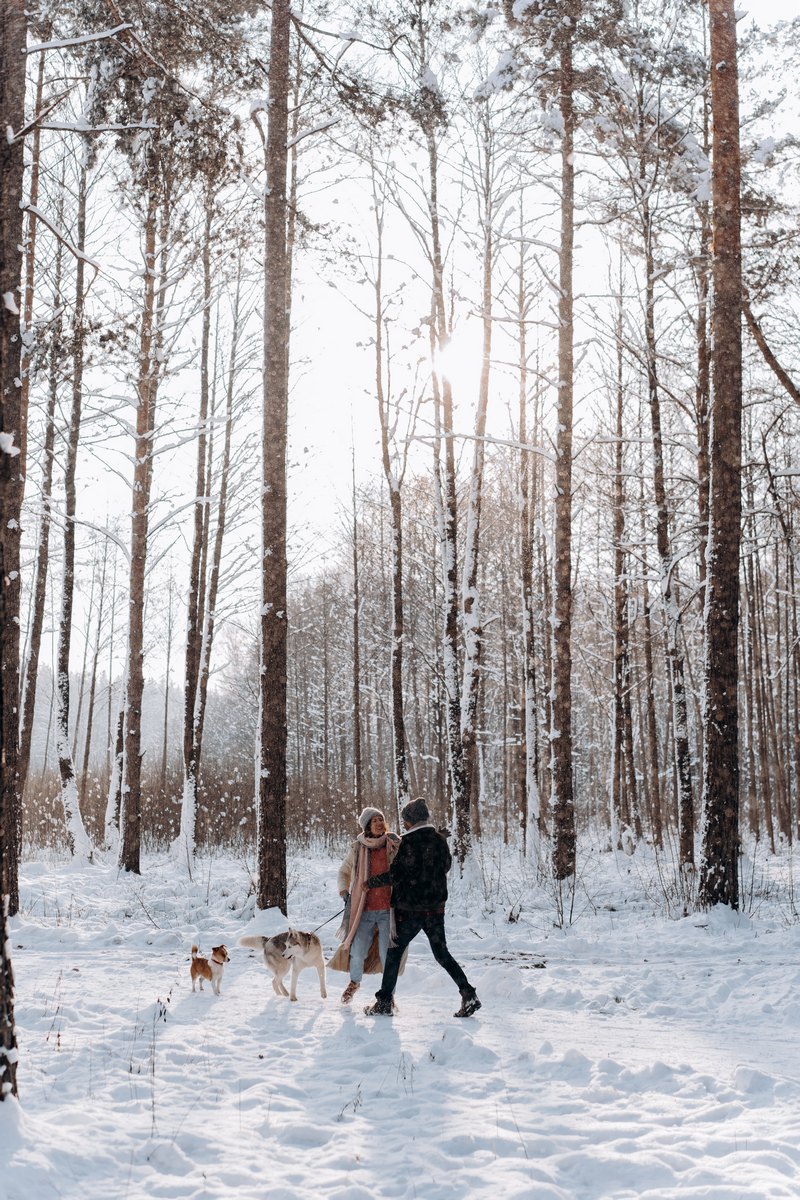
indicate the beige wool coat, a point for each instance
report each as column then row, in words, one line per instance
column 347, row 873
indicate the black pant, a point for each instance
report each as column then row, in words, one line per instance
column 408, row 926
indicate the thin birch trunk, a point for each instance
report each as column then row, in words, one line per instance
column 444, row 487
column 561, row 728
column 114, row 800
column 651, row 740
column 529, row 811
column 753, row 818
column 703, row 385
column 764, row 781
column 209, row 624
column 703, row 395
column 442, row 770
column 445, row 478
column 393, row 483
column 672, row 613
column 28, row 704
column 85, row 664
column 470, row 600
column 31, row 228
column 358, row 792
column 776, row 777
column 184, row 846
column 130, row 809
column 165, row 731
column 624, row 802
column 77, row 837
column 791, row 737
column 87, row 745
column 110, row 693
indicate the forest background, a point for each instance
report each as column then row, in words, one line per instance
column 424, row 236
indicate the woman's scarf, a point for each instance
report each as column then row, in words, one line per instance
column 358, row 888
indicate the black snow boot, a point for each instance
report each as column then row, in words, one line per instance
column 381, row 1008
column 469, row 1004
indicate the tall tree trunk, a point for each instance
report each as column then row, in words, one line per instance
column 446, row 511
column 624, row 801
column 470, row 602
column 672, row 612
column 719, row 875
column 774, row 778
column 51, row 706
column 165, row 732
column 30, row 270
column 87, row 745
column 703, row 391
column 529, row 813
column 184, row 845
column 114, row 811
column 752, row 575
column 791, row 737
column 650, row 752
column 545, row 574
column 84, row 666
column 702, row 271
column 448, row 523
column 358, row 789
column 561, row 728
column 110, row 692
column 130, row 813
column 209, row 623
column 393, row 482
column 441, row 767
column 271, row 781
column 77, row 837
column 751, row 684
column 13, row 32
column 28, row 704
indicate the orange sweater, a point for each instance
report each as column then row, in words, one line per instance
column 378, row 898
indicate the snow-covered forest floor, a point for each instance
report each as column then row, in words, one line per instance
column 635, row 1053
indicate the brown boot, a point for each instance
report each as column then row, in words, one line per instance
column 350, row 991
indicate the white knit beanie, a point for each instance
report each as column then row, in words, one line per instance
column 367, row 816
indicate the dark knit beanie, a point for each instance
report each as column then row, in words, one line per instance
column 415, row 811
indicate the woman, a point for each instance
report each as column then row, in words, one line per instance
column 368, row 910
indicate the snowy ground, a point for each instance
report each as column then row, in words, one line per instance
column 648, row 1057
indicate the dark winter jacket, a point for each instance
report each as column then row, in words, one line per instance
column 418, row 874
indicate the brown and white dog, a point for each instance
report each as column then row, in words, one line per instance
column 293, row 949
column 209, row 968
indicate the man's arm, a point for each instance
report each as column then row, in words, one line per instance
column 383, row 880
column 387, row 878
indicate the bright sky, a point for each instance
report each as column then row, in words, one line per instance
column 333, row 403
column 768, row 11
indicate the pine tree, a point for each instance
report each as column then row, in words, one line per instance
column 719, row 872
column 13, row 34
column 272, row 732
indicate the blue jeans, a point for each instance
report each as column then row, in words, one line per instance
column 359, row 947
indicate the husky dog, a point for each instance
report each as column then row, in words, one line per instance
column 293, row 949
column 209, row 968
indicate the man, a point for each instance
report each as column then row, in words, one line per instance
column 418, row 878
